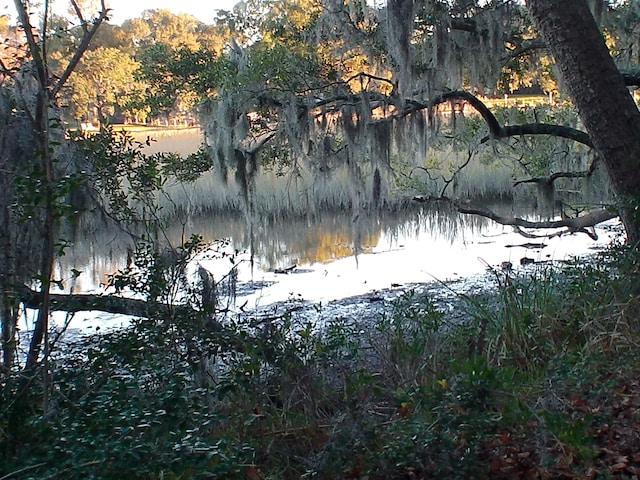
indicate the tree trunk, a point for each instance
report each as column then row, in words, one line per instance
column 598, row 90
column 41, row 124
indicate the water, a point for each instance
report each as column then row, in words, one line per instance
column 335, row 255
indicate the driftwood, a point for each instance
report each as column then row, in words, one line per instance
column 285, row 270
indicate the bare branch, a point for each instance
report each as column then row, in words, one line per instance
column 38, row 60
column 573, row 224
column 543, row 129
column 82, row 48
column 83, row 22
column 458, row 170
column 361, row 75
column 554, row 176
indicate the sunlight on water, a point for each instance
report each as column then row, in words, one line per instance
column 410, row 248
column 328, row 256
column 407, row 259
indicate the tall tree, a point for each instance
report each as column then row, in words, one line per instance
column 163, row 26
column 32, row 162
column 598, row 90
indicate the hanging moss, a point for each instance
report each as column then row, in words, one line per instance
column 399, row 31
column 376, row 188
column 323, row 124
column 381, row 142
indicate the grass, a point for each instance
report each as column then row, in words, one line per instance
column 538, row 380
column 120, row 127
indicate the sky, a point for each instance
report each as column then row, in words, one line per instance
column 204, row 10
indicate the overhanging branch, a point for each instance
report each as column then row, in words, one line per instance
column 544, row 129
column 495, row 129
column 572, row 224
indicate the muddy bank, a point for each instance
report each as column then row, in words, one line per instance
column 448, row 297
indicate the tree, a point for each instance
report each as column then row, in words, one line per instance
column 348, row 85
column 169, row 49
column 163, row 78
column 112, row 36
column 31, row 180
column 102, row 83
column 162, row 26
column 599, row 92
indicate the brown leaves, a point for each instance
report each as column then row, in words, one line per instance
column 610, row 447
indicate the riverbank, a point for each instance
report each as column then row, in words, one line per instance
column 535, row 377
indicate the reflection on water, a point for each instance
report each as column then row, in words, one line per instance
column 432, row 236
column 183, row 141
column 415, row 246
column 280, row 243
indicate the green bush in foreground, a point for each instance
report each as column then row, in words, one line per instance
column 531, row 383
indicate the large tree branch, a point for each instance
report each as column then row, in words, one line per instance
column 413, row 106
column 487, row 115
column 495, row 129
column 544, row 129
column 572, row 224
column 102, row 303
column 152, row 310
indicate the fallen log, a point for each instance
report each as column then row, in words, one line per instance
column 103, row 303
column 285, row 270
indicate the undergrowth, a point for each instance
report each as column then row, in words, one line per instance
column 539, row 380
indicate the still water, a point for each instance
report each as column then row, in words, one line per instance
column 335, row 255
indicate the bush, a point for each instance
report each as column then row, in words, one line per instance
column 530, row 385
